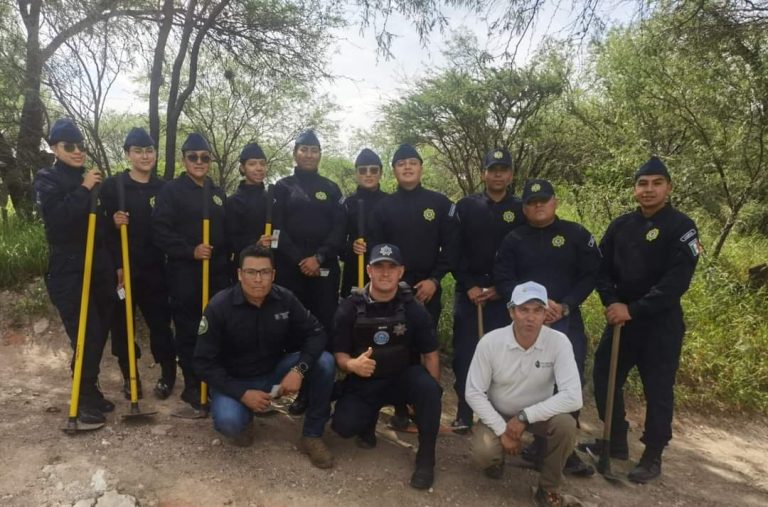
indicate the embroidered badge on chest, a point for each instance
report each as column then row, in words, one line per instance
column 558, row 241
column 152, row 202
column 217, row 200
column 320, row 195
column 429, row 214
column 652, row 234
column 400, row 329
column 508, row 216
column 381, row 338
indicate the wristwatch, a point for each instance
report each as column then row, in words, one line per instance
column 522, row 417
column 301, row 368
column 566, row 309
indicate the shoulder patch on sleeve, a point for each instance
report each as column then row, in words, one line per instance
column 452, row 210
column 688, row 235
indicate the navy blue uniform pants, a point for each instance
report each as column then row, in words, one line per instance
column 653, row 345
column 495, row 315
column 357, row 410
column 573, row 327
column 319, row 294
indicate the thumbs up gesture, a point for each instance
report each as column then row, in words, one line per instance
column 363, row 365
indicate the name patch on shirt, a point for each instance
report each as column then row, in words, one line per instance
column 282, row 316
column 544, row 364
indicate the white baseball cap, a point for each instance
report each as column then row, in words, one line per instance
column 528, row 291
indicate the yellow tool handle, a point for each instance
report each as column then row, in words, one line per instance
column 129, row 314
column 360, row 268
column 268, row 229
column 206, row 288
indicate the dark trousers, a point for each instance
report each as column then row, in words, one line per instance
column 495, row 315
column 150, row 295
column 653, row 345
column 573, row 327
column 357, row 410
column 319, row 294
column 64, row 281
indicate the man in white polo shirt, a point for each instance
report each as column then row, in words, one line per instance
column 510, row 387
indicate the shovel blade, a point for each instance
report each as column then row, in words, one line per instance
column 75, row 427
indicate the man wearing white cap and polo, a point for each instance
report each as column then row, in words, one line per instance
column 510, row 387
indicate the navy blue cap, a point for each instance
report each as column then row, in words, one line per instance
column 404, row 152
column 386, row 252
column 64, row 130
column 499, row 156
column 654, row 167
column 307, row 138
column 367, row 157
column 137, row 137
column 537, row 188
column 251, row 150
column 195, row 142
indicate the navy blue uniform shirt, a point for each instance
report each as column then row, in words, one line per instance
column 648, row 263
column 310, row 217
column 239, row 340
column 563, row 257
column 246, row 216
column 422, row 223
column 483, row 225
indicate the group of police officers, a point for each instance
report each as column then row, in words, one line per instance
column 282, row 327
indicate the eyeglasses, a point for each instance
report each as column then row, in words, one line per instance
column 149, row 150
column 368, row 169
column 70, row 147
column 257, row 273
column 194, row 157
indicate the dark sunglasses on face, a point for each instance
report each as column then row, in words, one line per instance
column 194, row 157
column 70, row 147
column 370, row 169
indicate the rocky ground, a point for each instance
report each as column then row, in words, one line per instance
column 713, row 460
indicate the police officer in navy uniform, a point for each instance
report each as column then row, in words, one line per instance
column 245, row 352
column 177, row 229
column 376, row 333
column 368, row 169
column 563, row 257
column 148, row 284
column 63, row 194
column 485, row 219
column 246, row 209
column 649, row 257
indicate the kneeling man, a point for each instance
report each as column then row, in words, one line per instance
column 379, row 333
column 510, row 384
column 240, row 352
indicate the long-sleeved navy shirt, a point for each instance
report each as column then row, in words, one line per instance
column 484, row 223
column 562, row 256
column 310, row 217
column 139, row 201
column 246, row 216
column 423, row 224
column 370, row 199
column 239, row 340
column 648, row 262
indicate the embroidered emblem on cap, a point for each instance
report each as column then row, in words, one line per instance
column 535, row 187
column 217, row 200
column 558, row 241
column 508, row 216
column 385, row 250
column 400, row 329
column 203, row 327
column 652, row 234
column 320, row 196
column 152, row 202
column 429, row 214
column 498, row 155
column 381, row 338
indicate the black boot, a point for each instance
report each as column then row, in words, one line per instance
column 299, row 405
column 126, row 371
column 401, row 420
column 191, row 392
column 91, row 397
column 649, row 467
column 619, row 447
column 167, row 380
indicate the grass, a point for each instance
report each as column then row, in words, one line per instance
column 23, row 252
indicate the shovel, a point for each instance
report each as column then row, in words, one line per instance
column 135, row 412
column 73, row 424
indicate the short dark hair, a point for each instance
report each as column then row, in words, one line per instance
column 256, row 251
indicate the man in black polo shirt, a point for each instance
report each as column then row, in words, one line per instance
column 241, row 349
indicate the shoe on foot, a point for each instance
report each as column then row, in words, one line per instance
column 532, row 453
column 92, row 397
column 544, row 498
column 400, row 422
column 494, row 471
column 127, row 389
column 191, row 396
column 366, row 440
column 423, row 477
column 162, row 389
column 648, row 469
column 90, row 415
column 619, row 450
column 318, row 452
column 460, row 426
column 299, row 405
column 575, row 466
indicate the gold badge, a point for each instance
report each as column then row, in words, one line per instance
column 508, row 216
column 652, row 234
column 217, row 200
column 152, row 202
column 320, row 196
column 429, row 214
column 535, row 187
column 558, row 241
column 203, row 327
column 498, row 155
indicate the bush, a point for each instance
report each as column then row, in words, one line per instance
column 23, row 252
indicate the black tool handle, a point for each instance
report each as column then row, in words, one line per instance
column 360, row 218
column 95, row 197
column 206, row 200
column 121, row 191
column 269, row 204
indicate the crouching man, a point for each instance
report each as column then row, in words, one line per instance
column 240, row 348
column 510, row 384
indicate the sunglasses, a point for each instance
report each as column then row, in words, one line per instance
column 368, row 169
column 70, row 147
column 194, row 157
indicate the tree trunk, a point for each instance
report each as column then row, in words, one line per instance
column 156, row 76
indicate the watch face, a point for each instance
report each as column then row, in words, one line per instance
column 304, row 367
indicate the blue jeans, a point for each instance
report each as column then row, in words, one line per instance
column 231, row 417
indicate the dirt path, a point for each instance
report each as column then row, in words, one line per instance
column 171, row 462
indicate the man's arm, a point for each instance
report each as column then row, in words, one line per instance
column 431, row 362
column 504, row 267
column 334, row 242
column 165, row 232
column 588, row 262
column 476, row 392
column 568, row 397
column 447, row 258
column 604, row 283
